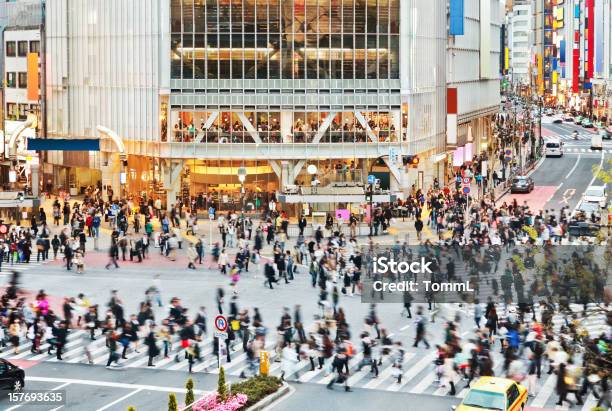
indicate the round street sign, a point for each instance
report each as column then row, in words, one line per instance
column 3, row 229
column 466, row 190
column 466, row 180
column 508, row 152
column 220, row 323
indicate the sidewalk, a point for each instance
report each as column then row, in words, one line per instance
column 402, row 229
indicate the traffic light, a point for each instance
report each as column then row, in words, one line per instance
column 411, row 161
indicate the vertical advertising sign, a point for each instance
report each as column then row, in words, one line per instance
column 32, row 76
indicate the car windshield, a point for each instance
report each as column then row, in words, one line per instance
column 519, row 181
column 594, row 192
column 485, row 399
column 552, row 145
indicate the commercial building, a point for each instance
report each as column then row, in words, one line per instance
column 473, row 80
column 22, row 90
column 520, row 43
column 198, row 89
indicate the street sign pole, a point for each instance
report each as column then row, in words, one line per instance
column 220, row 333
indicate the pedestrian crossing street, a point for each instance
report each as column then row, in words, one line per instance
column 418, row 376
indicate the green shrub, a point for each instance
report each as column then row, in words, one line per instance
column 221, row 386
column 172, row 404
column 189, row 397
column 257, row 388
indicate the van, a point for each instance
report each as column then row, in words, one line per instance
column 554, row 148
column 596, row 142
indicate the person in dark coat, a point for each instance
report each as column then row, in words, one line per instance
column 61, row 335
column 151, row 343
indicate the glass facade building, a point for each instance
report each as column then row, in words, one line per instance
column 285, row 39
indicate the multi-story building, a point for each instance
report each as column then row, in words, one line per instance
column 520, row 42
column 199, row 89
column 473, row 75
column 22, row 91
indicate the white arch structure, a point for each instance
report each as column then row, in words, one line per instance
column 29, row 123
column 115, row 137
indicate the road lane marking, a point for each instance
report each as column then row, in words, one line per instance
column 545, row 392
column 594, row 176
column 118, row 400
column 111, row 384
column 573, row 168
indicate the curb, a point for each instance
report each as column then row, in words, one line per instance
column 528, row 174
column 271, row 399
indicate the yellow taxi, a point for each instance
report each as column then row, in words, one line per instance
column 492, row 393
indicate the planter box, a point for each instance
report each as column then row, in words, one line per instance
column 282, row 391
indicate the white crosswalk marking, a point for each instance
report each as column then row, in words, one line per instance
column 418, row 376
column 545, row 392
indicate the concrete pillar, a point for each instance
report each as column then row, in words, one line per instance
column 172, row 170
column 35, row 179
column 287, row 177
column 286, row 123
column 111, row 168
column 396, row 120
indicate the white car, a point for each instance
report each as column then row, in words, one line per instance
column 554, row 148
column 596, row 194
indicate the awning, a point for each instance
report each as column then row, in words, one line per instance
column 63, row 144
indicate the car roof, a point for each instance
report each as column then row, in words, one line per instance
column 493, row 384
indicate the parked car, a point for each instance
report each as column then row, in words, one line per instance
column 587, row 123
column 557, row 119
column 522, row 184
column 568, row 118
column 11, row 376
column 578, row 120
column 606, row 133
column 596, row 194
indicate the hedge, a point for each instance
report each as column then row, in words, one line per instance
column 257, row 388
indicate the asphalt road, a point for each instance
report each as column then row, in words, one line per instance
column 560, row 182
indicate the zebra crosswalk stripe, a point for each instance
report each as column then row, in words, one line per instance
column 419, row 372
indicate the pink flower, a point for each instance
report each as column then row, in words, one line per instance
column 211, row 403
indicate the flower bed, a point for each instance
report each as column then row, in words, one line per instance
column 257, row 388
column 243, row 395
column 212, row 403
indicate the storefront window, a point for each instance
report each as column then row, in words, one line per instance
column 273, row 39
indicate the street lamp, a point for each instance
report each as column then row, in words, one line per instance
column 242, row 173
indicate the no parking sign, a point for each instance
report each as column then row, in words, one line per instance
column 221, row 326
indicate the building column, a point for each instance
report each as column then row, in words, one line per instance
column 286, row 123
column 35, row 179
column 396, row 120
column 287, row 177
column 111, row 170
column 172, row 170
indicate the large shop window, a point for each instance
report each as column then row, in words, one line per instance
column 277, row 39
